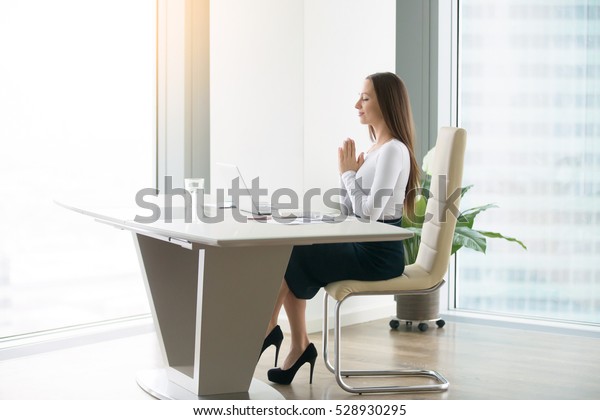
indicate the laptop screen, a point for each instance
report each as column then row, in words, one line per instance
column 225, row 174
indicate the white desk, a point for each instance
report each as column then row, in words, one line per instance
column 212, row 288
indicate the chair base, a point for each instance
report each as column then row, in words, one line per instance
column 440, row 385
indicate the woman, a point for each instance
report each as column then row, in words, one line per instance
column 377, row 187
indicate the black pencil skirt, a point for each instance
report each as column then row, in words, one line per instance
column 313, row 266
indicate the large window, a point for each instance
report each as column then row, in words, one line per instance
column 529, row 97
column 77, row 105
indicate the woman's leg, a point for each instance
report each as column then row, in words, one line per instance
column 296, row 312
column 283, row 292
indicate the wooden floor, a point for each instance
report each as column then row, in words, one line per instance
column 481, row 362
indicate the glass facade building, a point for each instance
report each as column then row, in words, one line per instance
column 529, row 98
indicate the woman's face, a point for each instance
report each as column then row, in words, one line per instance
column 368, row 108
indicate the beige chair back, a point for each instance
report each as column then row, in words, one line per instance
column 443, row 203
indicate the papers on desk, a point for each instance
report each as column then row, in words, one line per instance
column 297, row 221
column 294, row 220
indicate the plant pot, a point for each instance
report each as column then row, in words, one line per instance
column 419, row 309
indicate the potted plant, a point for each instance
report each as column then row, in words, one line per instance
column 421, row 308
column 464, row 233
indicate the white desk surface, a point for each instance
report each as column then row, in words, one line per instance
column 230, row 232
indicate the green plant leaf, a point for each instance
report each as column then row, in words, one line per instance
column 411, row 245
column 411, row 248
column 465, row 189
column 467, row 217
column 426, row 183
column 500, row 236
column 464, row 234
column 416, row 231
column 418, row 215
column 469, row 238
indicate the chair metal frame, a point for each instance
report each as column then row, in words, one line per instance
column 441, row 385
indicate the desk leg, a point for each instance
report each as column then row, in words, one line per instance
column 211, row 307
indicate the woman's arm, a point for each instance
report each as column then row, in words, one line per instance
column 346, row 203
column 347, row 161
column 370, row 202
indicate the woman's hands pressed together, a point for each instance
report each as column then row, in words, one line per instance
column 347, row 160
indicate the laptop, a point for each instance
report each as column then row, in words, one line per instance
column 225, row 173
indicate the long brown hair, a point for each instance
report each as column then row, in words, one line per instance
column 393, row 100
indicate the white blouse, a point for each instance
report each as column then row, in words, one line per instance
column 376, row 191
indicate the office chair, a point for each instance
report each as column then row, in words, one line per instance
column 423, row 277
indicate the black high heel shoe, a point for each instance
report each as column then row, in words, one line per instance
column 274, row 338
column 285, row 377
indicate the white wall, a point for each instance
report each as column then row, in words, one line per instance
column 257, row 89
column 285, row 75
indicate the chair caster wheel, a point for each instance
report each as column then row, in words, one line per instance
column 423, row 327
column 440, row 323
column 394, row 324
